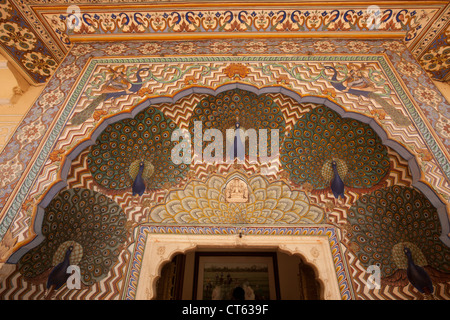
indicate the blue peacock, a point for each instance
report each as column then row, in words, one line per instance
column 239, row 110
column 334, row 154
column 398, row 229
column 362, row 87
column 80, row 227
column 117, row 86
column 135, row 155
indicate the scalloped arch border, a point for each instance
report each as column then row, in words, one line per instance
column 401, row 150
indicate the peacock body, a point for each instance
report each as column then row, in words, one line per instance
column 58, row 276
column 116, row 157
column 90, row 222
column 321, row 137
column 138, row 182
column 417, row 275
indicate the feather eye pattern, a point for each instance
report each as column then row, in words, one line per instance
column 91, row 222
column 387, row 220
column 115, row 159
column 321, row 137
column 250, row 110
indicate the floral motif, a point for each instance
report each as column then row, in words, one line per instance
column 116, row 49
column 324, row 46
column 31, row 132
column 5, row 12
column 236, row 70
column 409, row 69
column 144, row 91
column 56, row 155
column 436, row 59
column 69, row 72
column 358, row 46
column 443, row 126
column 379, row 113
column 206, row 203
column 9, row 172
column 40, row 63
column 428, row 96
column 13, row 35
column 220, row 47
column 257, row 46
column 149, row 48
column 185, row 47
column 289, row 47
column 394, row 46
column 425, row 154
column 81, row 49
column 51, row 99
column 98, row 114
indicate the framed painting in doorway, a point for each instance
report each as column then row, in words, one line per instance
column 236, row 276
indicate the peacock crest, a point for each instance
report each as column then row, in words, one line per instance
column 320, row 137
column 116, row 157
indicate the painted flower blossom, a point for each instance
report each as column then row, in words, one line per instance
column 185, row 47
column 409, row 69
column 358, row 46
column 289, row 46
column 221, row 47
column 69, row 72
column 5, row 11
column 428, row 96
column 324, row 46
column 40, row 63
column 81, row 49
column 394, row 46
column 116, row 49
column 443, row 126
column 31, row 132
column 436, row 59
column 51, row 99
column 257, row 46
column 9, row 172
column 149, row 48
column 13, row 35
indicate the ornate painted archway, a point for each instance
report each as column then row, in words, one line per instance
column 113, row 91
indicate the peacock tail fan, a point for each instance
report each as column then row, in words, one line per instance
column 252, row 111
column 387, row 220
column 115, row 157
column 87, row 220
column 321, row 136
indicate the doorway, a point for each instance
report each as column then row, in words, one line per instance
column 217, row 275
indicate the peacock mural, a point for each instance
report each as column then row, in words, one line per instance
column 117, row 85
column 80, row 227
column 240, row 110
column 332, row 153
column 135, row 154
column 398, row 229
column 394, row 227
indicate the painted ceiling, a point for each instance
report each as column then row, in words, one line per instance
column 37, row 35
column 109, row 111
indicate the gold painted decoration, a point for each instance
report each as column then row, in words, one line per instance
column 207, row 203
